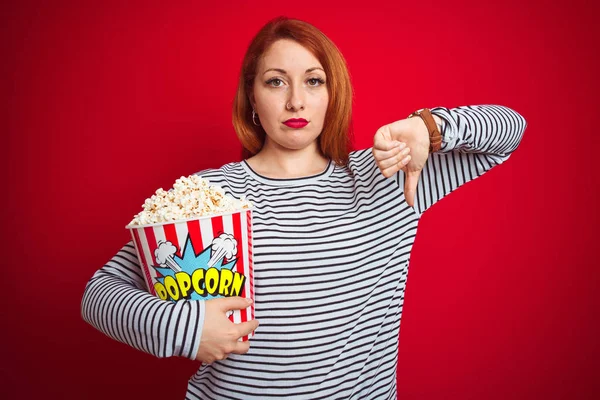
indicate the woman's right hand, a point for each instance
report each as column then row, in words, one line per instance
column 220, row 335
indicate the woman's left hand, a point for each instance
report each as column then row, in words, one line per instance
column 403, row 145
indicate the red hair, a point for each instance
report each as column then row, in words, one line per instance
column 335, row 138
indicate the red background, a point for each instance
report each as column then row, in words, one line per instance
column 108, row 101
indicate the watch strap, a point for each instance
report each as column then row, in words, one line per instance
column 435, row 137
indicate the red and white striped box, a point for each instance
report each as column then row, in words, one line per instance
column 199, row 259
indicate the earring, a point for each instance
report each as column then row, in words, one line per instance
column 253, row 114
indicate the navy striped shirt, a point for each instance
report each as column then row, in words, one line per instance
column 331, row 254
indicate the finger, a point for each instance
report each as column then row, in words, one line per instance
column 241, row 347
column 385, row 154
column 234, row 303
column 383, row 133
column 246, row 328
column 383, row 140
column 385, row 145
column 396, row 159
column 391, row 170
column 411, row 180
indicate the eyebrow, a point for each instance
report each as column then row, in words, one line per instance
column 284, row 72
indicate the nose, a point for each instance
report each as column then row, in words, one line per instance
column 295, row 100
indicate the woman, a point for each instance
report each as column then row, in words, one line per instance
column 333, row 231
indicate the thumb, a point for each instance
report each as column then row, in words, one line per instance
column 234, row 303
column 411, row 179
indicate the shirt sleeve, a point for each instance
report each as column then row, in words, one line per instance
column 474, row 140
column 117, row 303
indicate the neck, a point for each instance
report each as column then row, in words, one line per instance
column 277, row 162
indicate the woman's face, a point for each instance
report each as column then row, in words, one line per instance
column 289, row 73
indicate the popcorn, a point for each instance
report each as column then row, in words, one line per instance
column 190, row 197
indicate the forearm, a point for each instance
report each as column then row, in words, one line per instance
column 474, row 140
column 117, row 305
column 491, row 129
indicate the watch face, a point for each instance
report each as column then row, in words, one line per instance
column 416, row 113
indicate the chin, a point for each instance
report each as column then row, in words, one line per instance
column 301, row 143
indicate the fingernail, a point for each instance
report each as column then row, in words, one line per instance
column 249, row 301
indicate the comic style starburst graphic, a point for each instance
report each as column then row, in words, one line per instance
column 190, row 262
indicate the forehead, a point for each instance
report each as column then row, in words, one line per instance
column 289, row 55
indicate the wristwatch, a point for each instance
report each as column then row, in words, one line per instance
column 435, row 137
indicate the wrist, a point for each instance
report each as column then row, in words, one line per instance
column 421, row 131
column 433, row 128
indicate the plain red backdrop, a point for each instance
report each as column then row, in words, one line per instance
column 108, row 101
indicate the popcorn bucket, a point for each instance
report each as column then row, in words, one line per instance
column 199, row 259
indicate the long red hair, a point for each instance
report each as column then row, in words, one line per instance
column 335, row 138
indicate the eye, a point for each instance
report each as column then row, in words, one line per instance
column 316, row 81
column 270, row 81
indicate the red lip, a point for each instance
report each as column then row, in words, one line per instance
column 296, row 123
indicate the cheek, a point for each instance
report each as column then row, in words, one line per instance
column 323, row 106
column 325, row 100
column 266, row 112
